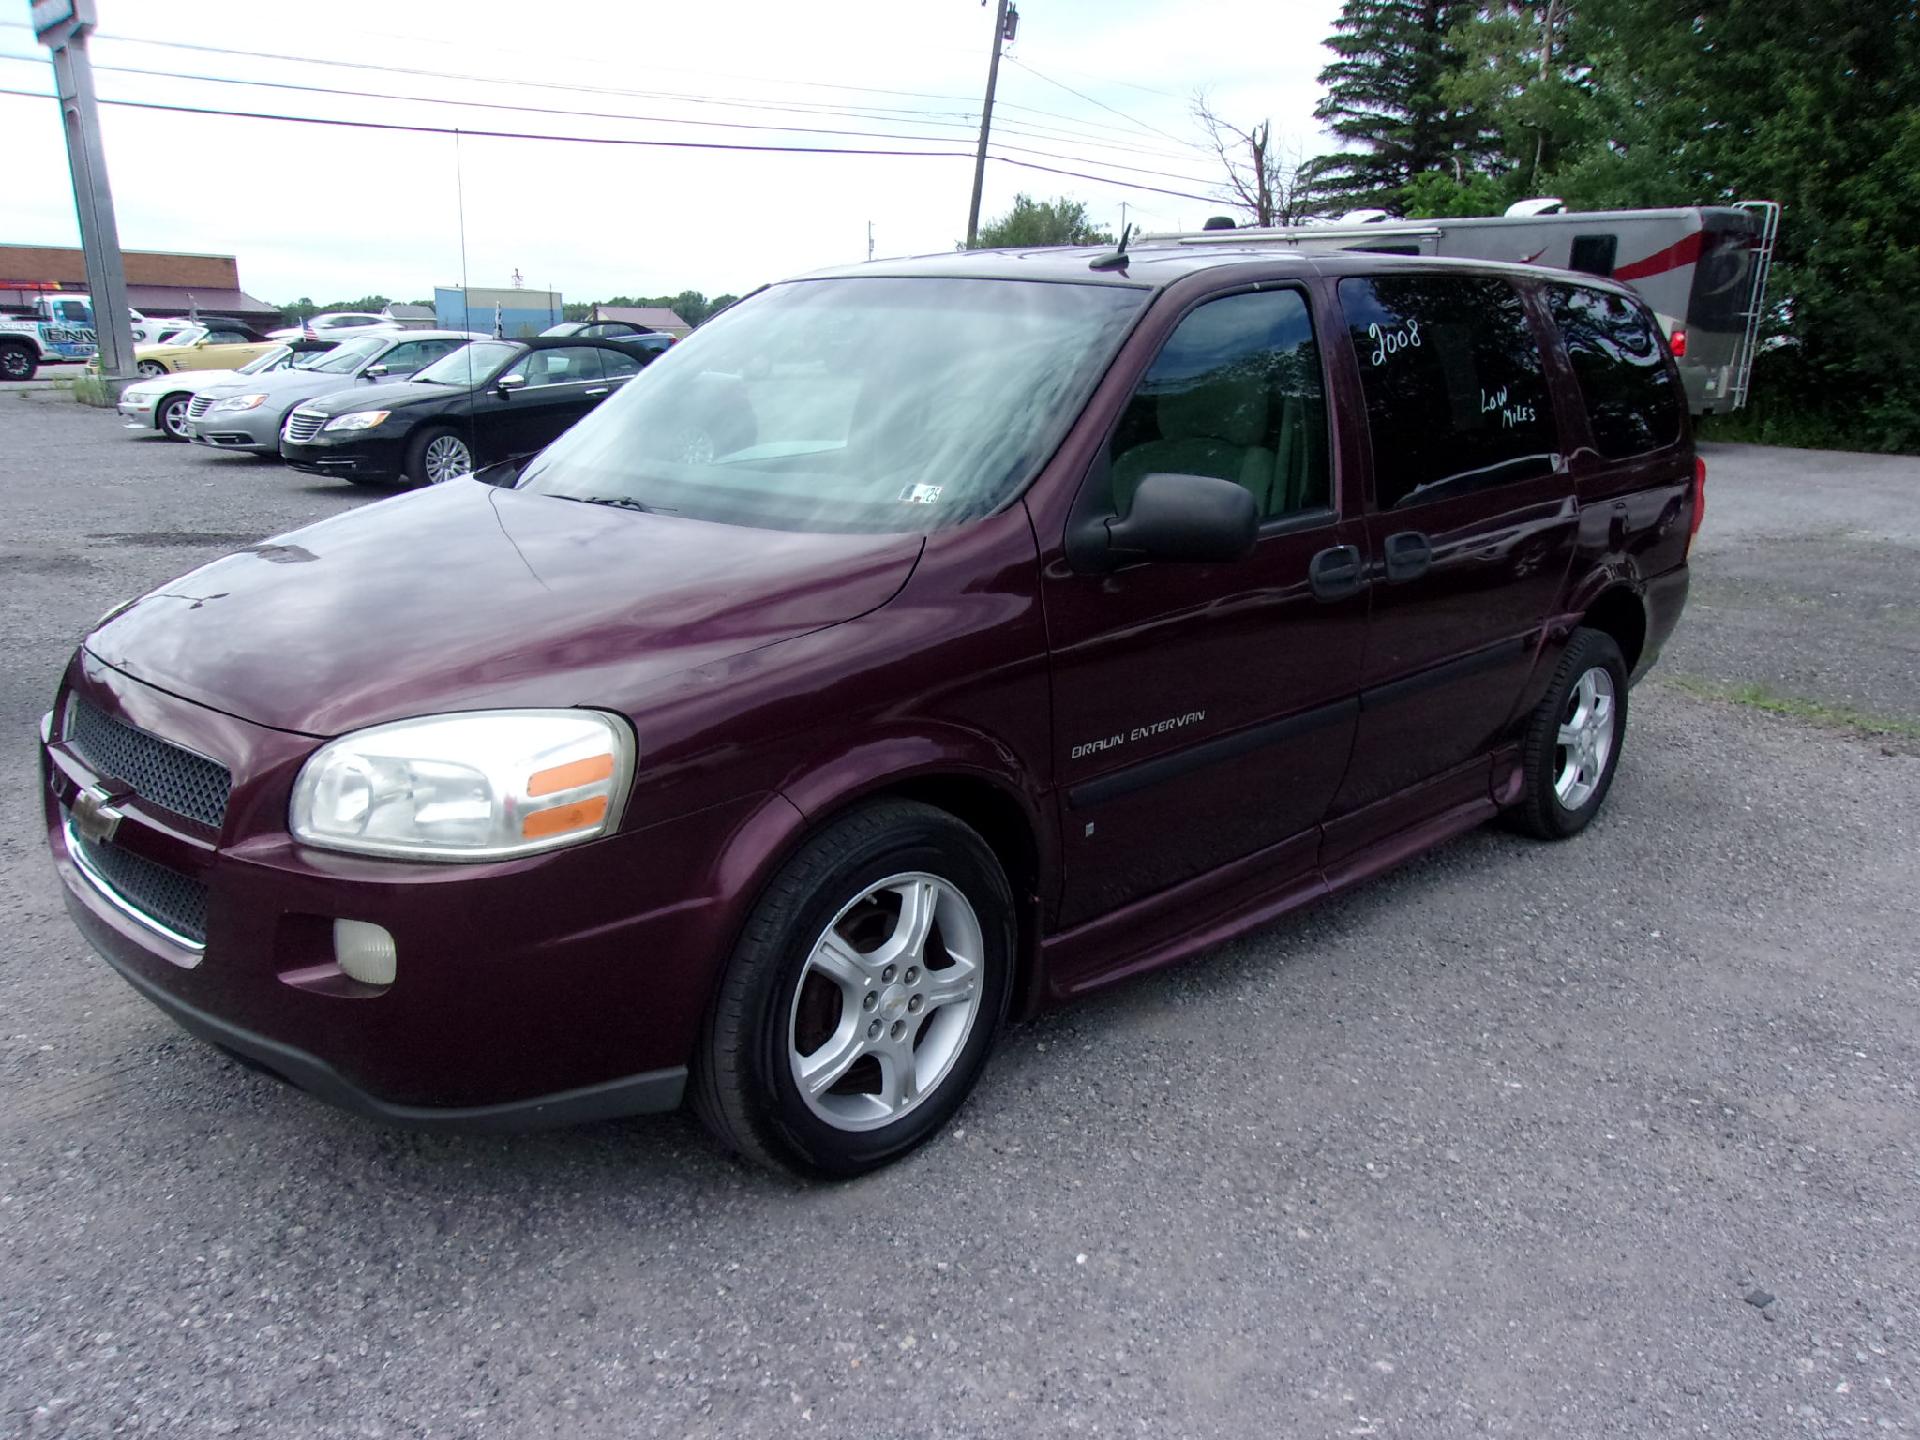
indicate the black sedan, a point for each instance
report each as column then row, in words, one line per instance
column 645, row 345
column 488, row 401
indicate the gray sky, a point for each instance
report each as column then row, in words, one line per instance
column 329, row 212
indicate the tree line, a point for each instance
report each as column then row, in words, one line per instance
column 1448, row 108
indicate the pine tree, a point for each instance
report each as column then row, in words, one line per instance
column 1385, row 95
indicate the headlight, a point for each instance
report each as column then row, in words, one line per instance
column 240, row 402
column 358, row 420
column 477, row 786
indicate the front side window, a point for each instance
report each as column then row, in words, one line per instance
column 411, row 355
column 566, row 365
column 1633, row 400
column 1456, row 398
column 347, row 358
column 893, row 404
column 1235, row 393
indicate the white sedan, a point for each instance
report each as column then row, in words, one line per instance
column 161, row 403
column 337, row 325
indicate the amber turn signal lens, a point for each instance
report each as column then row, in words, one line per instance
column 571, row 775
column 583, row 815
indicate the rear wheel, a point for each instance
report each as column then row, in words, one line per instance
column 1572, row 745
column 859, row 1006
column 17, row 362
column 172, row 416
column 437, row 456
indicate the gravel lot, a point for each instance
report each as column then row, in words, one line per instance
column 1517, row 1141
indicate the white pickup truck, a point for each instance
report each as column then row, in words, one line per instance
column 59, row 330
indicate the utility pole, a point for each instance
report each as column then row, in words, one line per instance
column 1123, row 217
column 62, row 26
column 1005, row 21
column 869, row 240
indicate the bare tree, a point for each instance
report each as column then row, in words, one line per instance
column 1267, row 180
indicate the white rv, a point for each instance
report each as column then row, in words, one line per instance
column 1702, row 269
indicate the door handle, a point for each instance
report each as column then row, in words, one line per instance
column 599, row 390
column 1335, row 573
column 1409, row 556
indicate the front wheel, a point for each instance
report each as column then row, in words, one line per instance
column 151, row 368
column 437, row 456
column 173, row 416
column 859, row 1006
column 1571, row 750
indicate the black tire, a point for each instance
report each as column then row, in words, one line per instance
column 161, row 423
column 743, row 1085
column 1543, row 811
column 416, row 463
column 18, row 362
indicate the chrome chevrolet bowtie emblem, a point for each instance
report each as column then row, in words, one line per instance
column 94, row 815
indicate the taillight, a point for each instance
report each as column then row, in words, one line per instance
column 1699, row 497
column 1677, row 342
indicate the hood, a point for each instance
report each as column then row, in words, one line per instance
column 394, row 395
column 287, row 385
column 466, row 597
column 193, row 381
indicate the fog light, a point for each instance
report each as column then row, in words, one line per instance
column 365, row 952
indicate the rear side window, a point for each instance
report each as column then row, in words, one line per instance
column 1633, row 401
column 1235, row 393
column 1456, row 399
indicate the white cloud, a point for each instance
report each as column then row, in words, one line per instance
column 329, row 212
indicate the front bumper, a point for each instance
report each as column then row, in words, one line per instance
column 543, row 991
column 256, row 431
column 140, row 413
column 365, row 455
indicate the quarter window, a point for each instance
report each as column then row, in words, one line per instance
column 1633, row 400
column 1456, row 399
column 1236, row 393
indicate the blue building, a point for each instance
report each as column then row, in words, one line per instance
column 514, row 314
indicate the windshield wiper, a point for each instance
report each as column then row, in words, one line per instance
column 618, row 502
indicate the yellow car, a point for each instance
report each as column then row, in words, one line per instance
column 212, row 345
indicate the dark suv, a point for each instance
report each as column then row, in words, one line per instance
column 919, row 645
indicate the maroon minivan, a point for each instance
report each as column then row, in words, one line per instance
column 915, row 646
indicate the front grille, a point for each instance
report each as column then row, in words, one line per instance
column 172, row 901
column 160, row 772
column 199, row 406
column 302, row 427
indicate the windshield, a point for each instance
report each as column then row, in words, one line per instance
column 470, row 364
column 191, row 335
column 348, row 358
column 272, row 360
column 884, row 404
column 565, row 327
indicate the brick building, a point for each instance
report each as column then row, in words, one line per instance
column 159, row 282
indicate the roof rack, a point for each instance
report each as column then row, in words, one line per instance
column 1298, row 235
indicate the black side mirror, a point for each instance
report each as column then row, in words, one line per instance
column 1192, row 519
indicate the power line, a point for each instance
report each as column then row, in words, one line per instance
column 594, row 114
column 1152, row 129
column 395, row 126
column 968, row 118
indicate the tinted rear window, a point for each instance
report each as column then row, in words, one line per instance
column 1633, row 400
column 1456, row 400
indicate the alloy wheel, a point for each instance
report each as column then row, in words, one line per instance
column 151, row 368
column 886, row 1001
column 1584, row 745
column 174, row 417
column 447, row 458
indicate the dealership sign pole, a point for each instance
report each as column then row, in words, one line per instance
column 62, row 26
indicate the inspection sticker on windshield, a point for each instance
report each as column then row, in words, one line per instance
column 920, row 495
